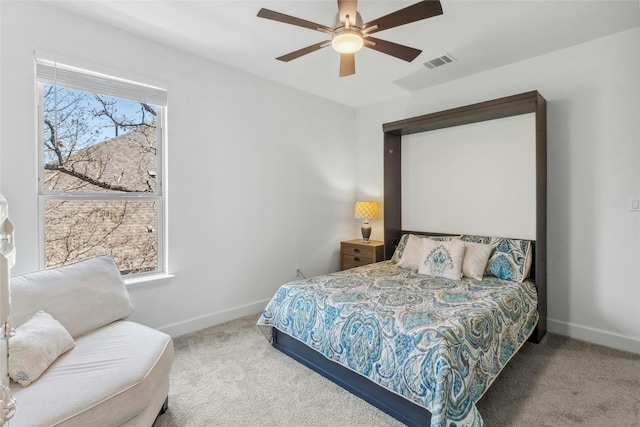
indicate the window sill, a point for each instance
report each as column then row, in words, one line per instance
column 150, row 280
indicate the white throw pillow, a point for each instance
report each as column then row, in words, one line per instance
column 442, row 258
column 36, row 344
column 412, row 252
column 476, row 256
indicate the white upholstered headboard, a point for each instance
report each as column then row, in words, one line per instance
column 478, row 178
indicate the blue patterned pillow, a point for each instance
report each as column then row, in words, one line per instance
column 397, row 254
column 510, row 259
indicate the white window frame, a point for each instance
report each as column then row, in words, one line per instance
column 50, row 72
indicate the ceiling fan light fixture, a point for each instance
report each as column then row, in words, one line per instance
column 347, row 41
column 350, row 34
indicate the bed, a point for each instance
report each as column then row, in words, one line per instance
column 420, row 341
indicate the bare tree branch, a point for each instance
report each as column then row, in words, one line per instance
column 89, row 180
column 77, row 160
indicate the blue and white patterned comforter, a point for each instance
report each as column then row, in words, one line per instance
column 437, row 342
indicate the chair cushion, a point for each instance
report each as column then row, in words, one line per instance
column 82, row 296
column 109, row 377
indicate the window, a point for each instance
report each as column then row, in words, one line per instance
column 101, row 169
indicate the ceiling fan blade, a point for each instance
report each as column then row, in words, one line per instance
column 298, row 53
column 287, row 19
column 416, row 12
column 347, row 64
column 394, row 49
column 348, row 7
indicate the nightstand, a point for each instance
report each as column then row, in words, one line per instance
column 354, row 253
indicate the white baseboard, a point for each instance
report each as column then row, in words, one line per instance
column 197, row 323
column 595, row 336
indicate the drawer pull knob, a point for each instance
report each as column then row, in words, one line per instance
column 356, row 259
column 356, row 250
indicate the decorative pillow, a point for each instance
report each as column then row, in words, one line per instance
column 511, row 259
column 397, row 254
column 402, row 244
column 476, row 256
column 36, row 344
column 444, row 238
column 442, row 258
column 412, row 252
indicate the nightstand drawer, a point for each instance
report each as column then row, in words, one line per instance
column 356, row 253
column 349, row 261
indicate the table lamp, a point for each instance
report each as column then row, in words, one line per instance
column 366, row 210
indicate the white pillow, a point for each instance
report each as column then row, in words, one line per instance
column 476, row 256
column 412, row 252
column 36, row 344
column 442, row 258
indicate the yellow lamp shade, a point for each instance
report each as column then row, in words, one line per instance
column 366, row 210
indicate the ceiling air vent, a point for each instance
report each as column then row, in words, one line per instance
column 439, row 61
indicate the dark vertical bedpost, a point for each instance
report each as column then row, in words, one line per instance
column 541, row 217
column 392, row 192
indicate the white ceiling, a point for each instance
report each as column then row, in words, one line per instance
column 479, row 34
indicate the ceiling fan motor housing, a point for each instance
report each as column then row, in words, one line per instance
column 340, row 26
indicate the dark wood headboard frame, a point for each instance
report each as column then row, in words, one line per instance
column 529, row 102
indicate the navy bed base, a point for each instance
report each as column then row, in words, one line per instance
column 398, row 407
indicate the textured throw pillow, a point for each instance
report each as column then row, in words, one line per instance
column 36, row 344
column 476, row 256
column 442, row 258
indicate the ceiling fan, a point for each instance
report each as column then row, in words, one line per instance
column 349, row 34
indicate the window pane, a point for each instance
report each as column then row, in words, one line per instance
column 79, row 229
column 97, row 143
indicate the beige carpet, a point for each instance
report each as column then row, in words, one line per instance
column 229, row 375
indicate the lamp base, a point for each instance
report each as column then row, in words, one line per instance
column 366, row 232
